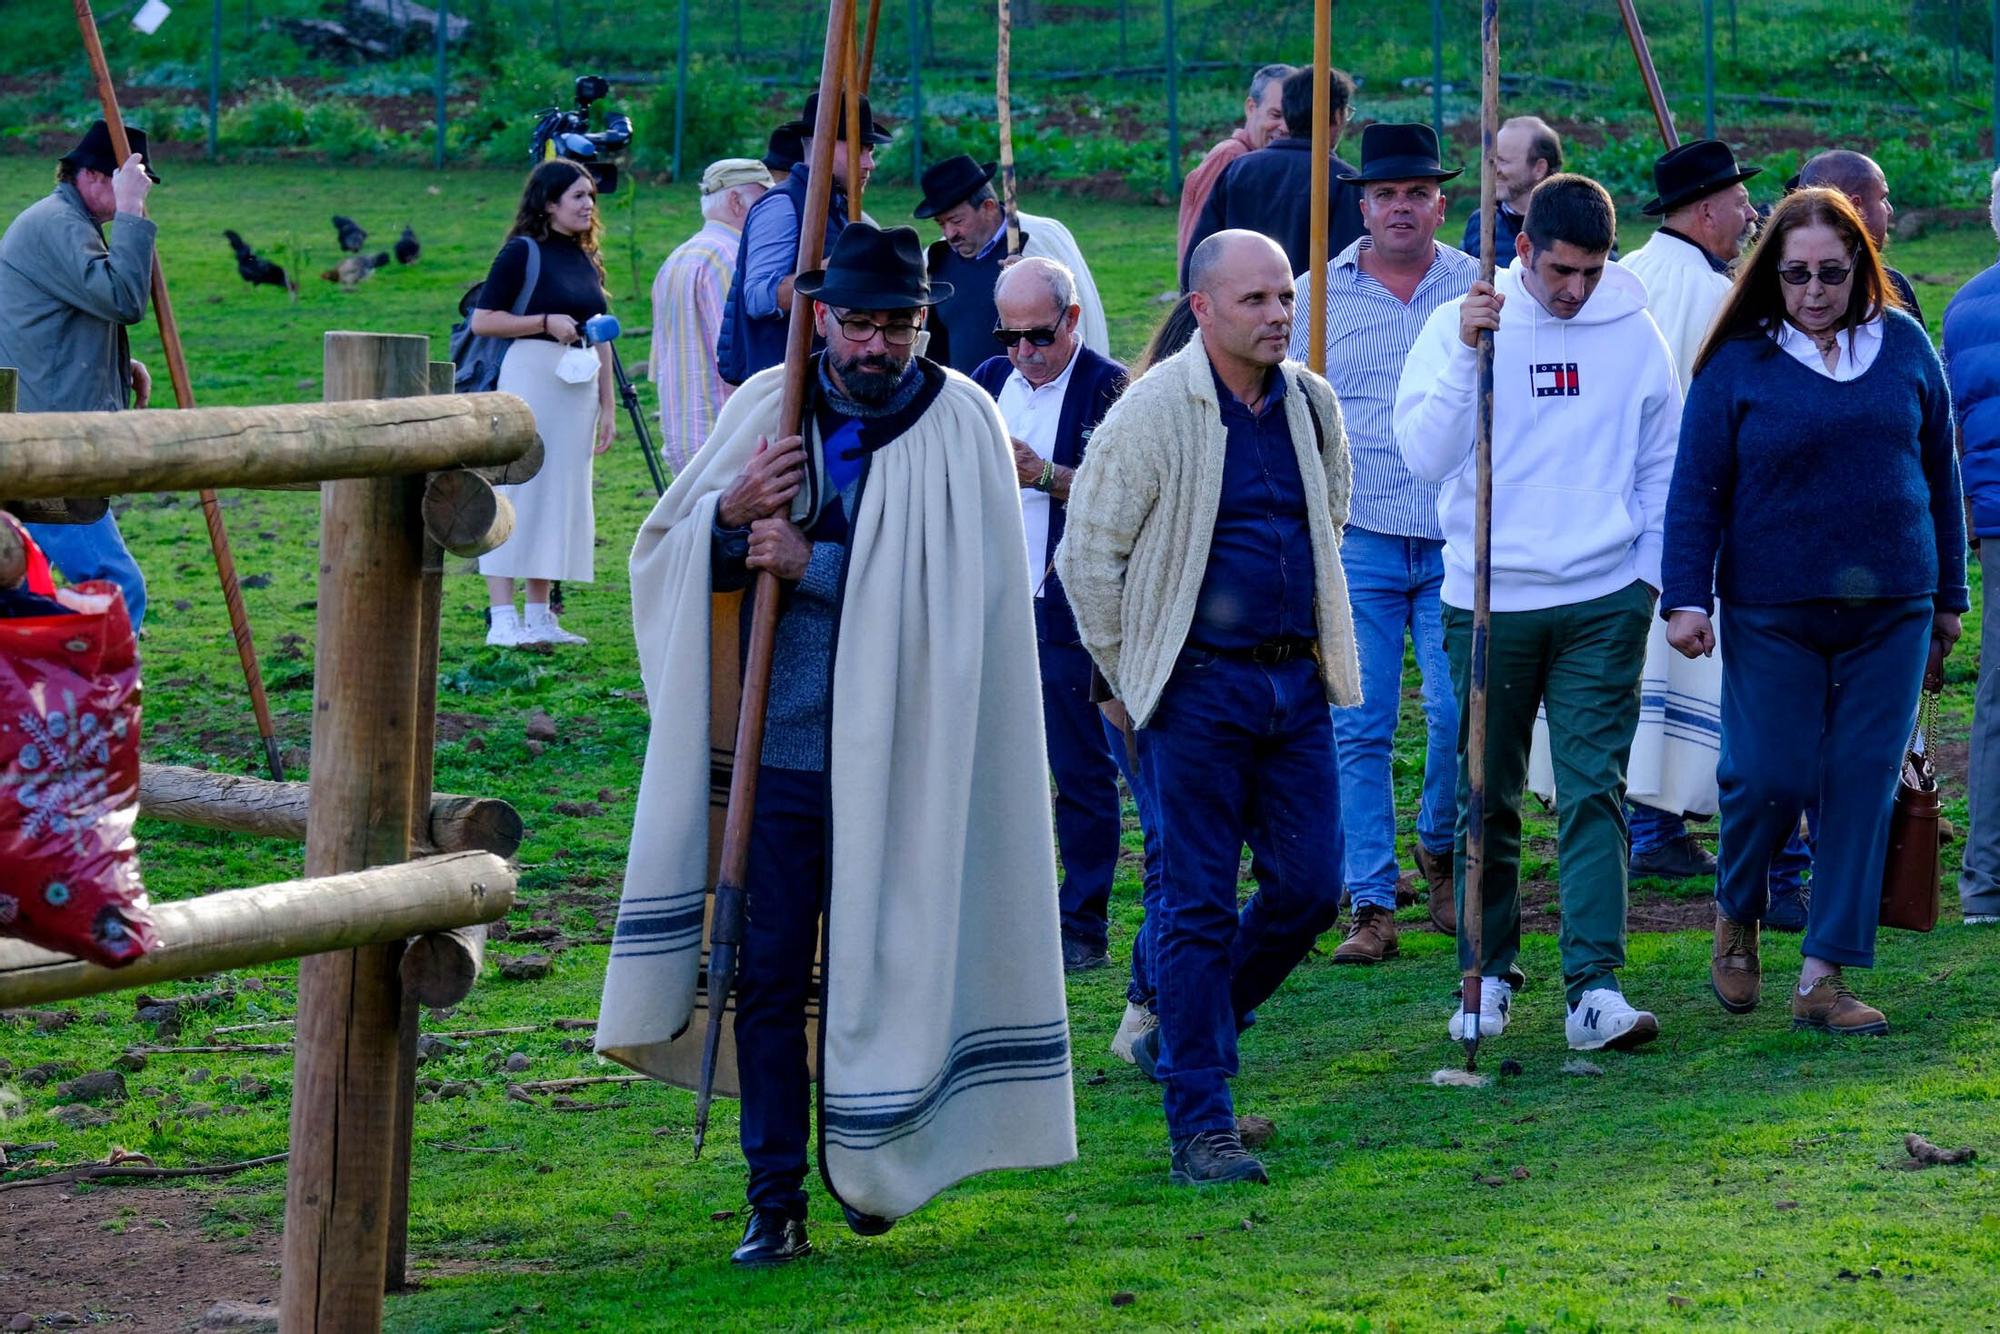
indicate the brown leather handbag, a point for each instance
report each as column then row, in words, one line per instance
column 1910, row 877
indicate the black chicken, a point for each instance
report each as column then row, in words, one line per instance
column 352, row 238
column 258, row 271
column 407, row 248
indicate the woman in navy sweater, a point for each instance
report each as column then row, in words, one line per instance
column 1816, row 491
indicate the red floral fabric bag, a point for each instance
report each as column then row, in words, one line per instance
column 69, row 780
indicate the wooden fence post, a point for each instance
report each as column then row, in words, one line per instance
column 365, row 725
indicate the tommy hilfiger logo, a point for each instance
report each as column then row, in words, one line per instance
column 1556, row 379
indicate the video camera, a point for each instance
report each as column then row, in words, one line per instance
column 567, row 134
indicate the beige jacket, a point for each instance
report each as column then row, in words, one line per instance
column 1142, row 513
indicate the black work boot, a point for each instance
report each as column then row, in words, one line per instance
column 1214, row 1158
column 771, row 1237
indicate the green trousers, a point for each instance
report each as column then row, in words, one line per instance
column 1582, row 664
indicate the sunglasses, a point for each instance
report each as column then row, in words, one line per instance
column 858, row 330
column 1829, row 275
column 1009, row 338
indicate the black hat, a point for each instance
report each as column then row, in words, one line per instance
column 871, row 129
column 1697, row 168
column 1398, row 153
column 95, row 152
column 784, row 151
column 952, row 182
column 871, row 269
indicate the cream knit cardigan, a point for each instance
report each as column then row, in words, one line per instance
column 1142, row 513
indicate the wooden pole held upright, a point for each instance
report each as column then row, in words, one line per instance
column 868, row 45
column 366, row 721
column 1628, row 11
column 177, row 371
column 850, row 97
column 1322, row 168
column 1003, row 93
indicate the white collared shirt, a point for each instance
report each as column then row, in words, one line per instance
column 1032, row 416
column 1857, row 349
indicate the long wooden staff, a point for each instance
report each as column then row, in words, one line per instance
column 868, row 46
column 170, row 340
column 1644, row 55
column 1004, row 98
column 1322, row 166
column 1471, row 913
column 725, row 926
column 850, row 84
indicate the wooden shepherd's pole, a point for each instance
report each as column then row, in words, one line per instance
column 1322, row 166
column 725, row 922
column 850, row 98
column 1471, row 912
column 1004, row 100
column 1628, row 11
column 868, row 46
column 170, row 341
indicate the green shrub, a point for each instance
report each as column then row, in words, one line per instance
column 341, row 130
column 272, row 116
column 725, row 118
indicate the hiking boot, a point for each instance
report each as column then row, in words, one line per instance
column 771, row 1238
column 1436, row 868
column 1787, row 909
column 1214, row 1158
column 1496, row 1002
column 1831, row 1008
column 1677, row 859
column 1079, row 957
column 1138, row 1021
column 1603, row 1019
column 1734, row 973
column 1371, row 939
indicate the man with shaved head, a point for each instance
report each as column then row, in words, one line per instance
column 1202, row 560
column 1857, row 176
column 1526, row 152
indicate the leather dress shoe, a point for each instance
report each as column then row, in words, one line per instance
column 771, row 1238
column 866, row 1225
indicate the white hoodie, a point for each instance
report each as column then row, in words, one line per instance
column 1586, row 421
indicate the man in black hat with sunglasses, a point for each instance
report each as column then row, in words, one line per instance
column 959, row 197
column 68, row 298
column 757, row 315
column 902, row 797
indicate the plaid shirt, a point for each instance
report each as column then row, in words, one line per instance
column 688, row 296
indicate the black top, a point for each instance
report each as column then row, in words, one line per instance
column 1270, row 191
column 1909, row 293
column 962, row 325
column 568, row 284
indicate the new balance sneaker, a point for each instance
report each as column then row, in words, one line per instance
column 1215, row 1158
column 1138, row 1022
column 1496, row 1002
column 1602, row 1019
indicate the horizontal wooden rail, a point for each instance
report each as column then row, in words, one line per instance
column 241, row 927
column 46, row 454
column 245, row 805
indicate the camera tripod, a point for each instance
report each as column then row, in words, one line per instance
column 628, row 395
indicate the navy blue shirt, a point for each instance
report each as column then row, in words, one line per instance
column 1259, row 584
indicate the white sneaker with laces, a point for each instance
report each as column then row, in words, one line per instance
column 1982, row 919
column 505, row 629
column 1137, row 1022
column 1496, row 1002
column 546, row 629
column 1603, row 1018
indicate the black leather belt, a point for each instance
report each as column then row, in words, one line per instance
column 1270, row 653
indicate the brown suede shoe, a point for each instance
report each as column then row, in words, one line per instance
column 1733, row 970
column 1371, row 939
column 1436, row 869
column 1832, row 1008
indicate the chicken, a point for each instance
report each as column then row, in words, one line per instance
column 407, row 248
column 352, row 238
column 355, row 268
column 254, row 269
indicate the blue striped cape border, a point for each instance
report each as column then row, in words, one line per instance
column 1005, row 1054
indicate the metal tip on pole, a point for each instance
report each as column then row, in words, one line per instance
column 700, row 1134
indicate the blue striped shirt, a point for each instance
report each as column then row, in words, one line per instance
column 1369, row 333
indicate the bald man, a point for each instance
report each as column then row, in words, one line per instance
column 1857, row 176
column 1207, row 586
column 1526, row 152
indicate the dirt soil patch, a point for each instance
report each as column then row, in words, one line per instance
column 58, row 1252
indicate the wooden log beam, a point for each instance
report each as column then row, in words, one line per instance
column 258, row 806
column 238, row 928
column 500, row 474
column 464, row 514
column 440, row 968
column 52, row 454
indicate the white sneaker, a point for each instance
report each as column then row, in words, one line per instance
column 1982, row 919
column 1604, row 1019
column 1496, row 1002
column 548, row 630
column 1138, row 1021
column 505, row 630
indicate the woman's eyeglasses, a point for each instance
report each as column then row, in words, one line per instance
column 859, row 330
column 1829, row 275
column 1009, row 338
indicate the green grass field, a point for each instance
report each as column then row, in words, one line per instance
column 1731, row 1175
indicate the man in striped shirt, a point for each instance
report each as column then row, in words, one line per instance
column 688, row 293
column 1379, row 292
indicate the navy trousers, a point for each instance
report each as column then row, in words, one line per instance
column 1818, row 700
column 784, row 896
column 1086, row 777
column 1234, row 745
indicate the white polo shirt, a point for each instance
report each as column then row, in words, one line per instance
column 1032, row 416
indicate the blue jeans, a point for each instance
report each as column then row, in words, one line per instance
column 81, row 551
column 1818, row 699
column 1234, row 745
column 1141, row 990
column 1393, row 584
column 1086, row 803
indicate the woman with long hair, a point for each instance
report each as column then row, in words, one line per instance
column 554, row 239
column 1816, row 494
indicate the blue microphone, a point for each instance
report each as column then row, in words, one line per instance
column 600, row 329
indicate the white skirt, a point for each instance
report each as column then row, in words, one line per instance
column 555, row 526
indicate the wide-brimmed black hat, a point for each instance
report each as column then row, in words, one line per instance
column 952, row 182
column 784, row 151
column 871, row 129
column 871, row 269
column 95, row 152
column 1699, row 167
column 1398, row 153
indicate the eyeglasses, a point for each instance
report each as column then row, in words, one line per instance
column 1009, row 338
column 1829, row 275
column 858, row 330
